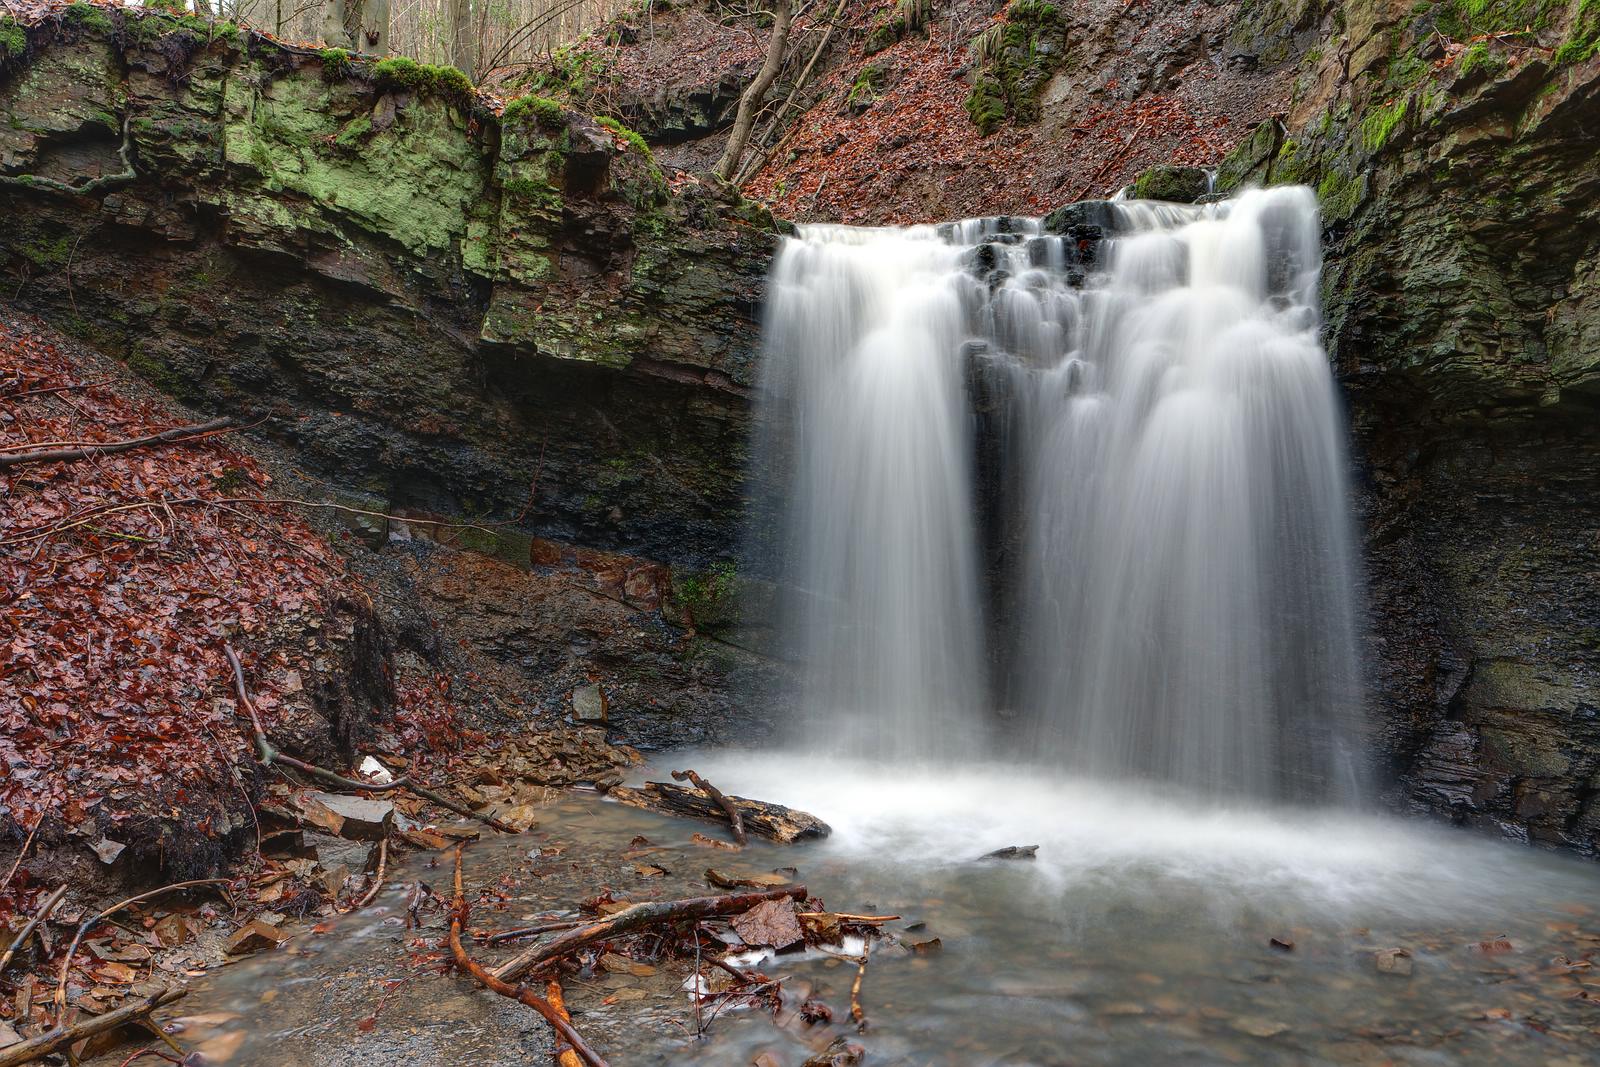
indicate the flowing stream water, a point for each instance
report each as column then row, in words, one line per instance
column 1066, row 563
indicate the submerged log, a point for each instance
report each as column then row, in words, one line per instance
column 772, row 821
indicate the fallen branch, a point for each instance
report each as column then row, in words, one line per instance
column 716, row 795
column 268, row 754
column 531, row 931
column 857, row 1015
column 56, row 455
column 49, row 390
column 22, row 853
column 566, row 1056
column 648, row 913
column 27, row 931
column 99, row 917
column 557, row 1019
column 377, row 881
column 62, row 1036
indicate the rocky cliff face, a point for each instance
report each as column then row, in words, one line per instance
column 436, row 306
column 1456, row 151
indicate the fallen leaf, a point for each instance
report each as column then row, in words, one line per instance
column 772, row 923
column 108, row 850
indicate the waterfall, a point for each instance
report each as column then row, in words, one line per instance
column 1079, row 497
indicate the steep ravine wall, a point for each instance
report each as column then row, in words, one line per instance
column 432, row 306
column 1455, row 148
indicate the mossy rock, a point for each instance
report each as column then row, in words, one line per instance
column 1013, row 62
column 1180, row 185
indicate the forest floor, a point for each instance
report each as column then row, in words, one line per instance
column 128, row 760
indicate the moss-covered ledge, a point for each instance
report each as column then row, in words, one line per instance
column 435, row 302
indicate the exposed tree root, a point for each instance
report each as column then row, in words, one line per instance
column 377, row 881
column 557, row 1019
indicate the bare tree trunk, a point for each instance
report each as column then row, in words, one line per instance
column 463, row 40
column 373, row 16
column 334, row 34
column 750, row 102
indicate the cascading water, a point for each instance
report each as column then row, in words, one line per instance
column 1098, row 483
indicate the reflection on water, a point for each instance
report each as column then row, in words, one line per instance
column 1140, row 934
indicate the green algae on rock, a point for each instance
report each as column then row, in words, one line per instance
column 436, row 305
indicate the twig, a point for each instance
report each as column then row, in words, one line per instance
column 40, row 916
column 61, row 1036
column 516, row 992
column 47, row 391
column 845, row 917
column 141, row 1053
column 647, row 913
column 56, row 455
column 531, row 931
column 94, row 920
column 268, row 754
column 716, row 795
column 377, row 881
column 857, row 1015
column 566, row 1056
column 22, row 852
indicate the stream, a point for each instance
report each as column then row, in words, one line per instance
column 1141, row 933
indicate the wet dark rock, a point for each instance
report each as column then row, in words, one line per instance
column 1013, row 852
column 1180, row 185
column 589, row 704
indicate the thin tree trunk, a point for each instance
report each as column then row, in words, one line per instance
column 373, row 18
column 462, row 38
column 334, row 33
column 750, row 102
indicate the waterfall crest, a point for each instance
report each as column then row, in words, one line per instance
column 1080, row 498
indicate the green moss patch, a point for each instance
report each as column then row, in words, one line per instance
column 86, row 17
column 903, row 19
column 540, row 109
column 407, row 75
column 1380, row 123
column 1013, row 61
column 572, row 76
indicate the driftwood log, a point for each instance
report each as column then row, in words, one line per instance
column 772, row 821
